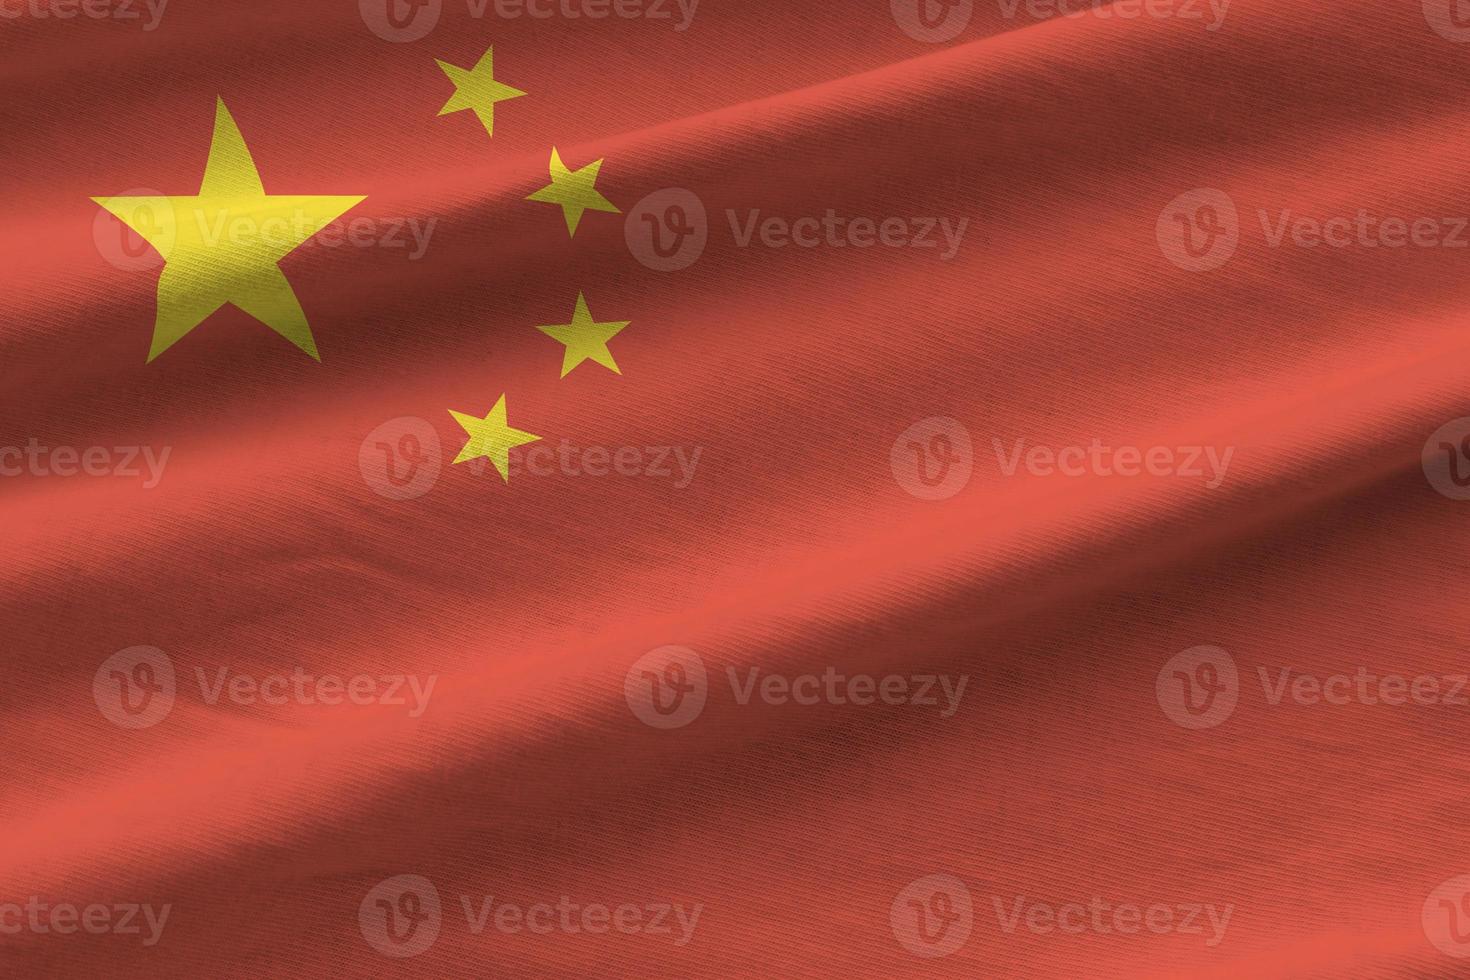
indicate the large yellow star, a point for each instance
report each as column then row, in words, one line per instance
column 476, row 89
column 574, row 191
column 223, row 245
column 585, row 339
column 491, row 436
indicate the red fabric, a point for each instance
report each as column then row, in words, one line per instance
column 271, row 544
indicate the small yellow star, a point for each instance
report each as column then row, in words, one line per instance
column 585, row 339
column 476, row 89
column 223, row 245
column 492, row 437
column 574, row 191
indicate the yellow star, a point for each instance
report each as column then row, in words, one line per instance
column 476, row 89
column 574, row 191
column 223, row 246
column 491, row 437
column 585, row 339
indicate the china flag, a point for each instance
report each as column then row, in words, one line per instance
column 735, row 488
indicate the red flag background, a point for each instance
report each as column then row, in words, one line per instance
column 1025, row 538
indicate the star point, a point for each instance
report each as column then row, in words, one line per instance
column 491, row 437
column 223, row 245
column 585, row 339
column 574, row 190
column 476, row 90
